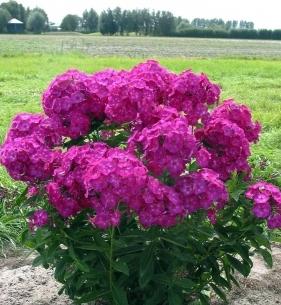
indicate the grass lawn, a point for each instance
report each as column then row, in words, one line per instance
column 255, row 82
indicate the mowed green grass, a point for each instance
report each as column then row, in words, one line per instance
column 256, row 83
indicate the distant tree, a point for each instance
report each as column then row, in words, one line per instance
column 36, row 22
column 15, row 9
column 234, row 24
column 166, row 23
column 27, row 12
column 265, row 34
column 90, row 21
column 136, row 22
column 70, row 23
column 276, row 34
column 183, row 26
column 40, row 10
column 4, row 18
column 107, row 23
column 228, row 25
column 146, row 21
column 250, row 25
column 117, row 17
column 127, row 24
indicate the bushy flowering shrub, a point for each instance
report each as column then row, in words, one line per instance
column 140, row 186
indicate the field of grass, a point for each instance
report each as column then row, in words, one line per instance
column 138, row 46
column 254, row 82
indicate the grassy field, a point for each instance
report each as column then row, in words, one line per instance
column 254, row 82
column 138, row 46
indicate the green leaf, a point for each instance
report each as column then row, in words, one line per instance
column 204, row 299
column 243, row 268
column 79, row 263
column 263, row 241
column 91, row 296
column 24, row 236
column 193, row 166
column 22, row 197
column 157, row 298
column 243, row 251
column 174, row 298
column 234, row 280
column 91, row 247
column 236, row 194
column 219, row 292
column 186, row 284
column 266, row 256
column 119, row 295
column 146, row 266
column 121, row 267
column 219, row 280
column 37, row 261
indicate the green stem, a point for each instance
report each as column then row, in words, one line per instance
column 111, row 257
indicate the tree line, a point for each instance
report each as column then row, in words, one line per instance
column 142, row 22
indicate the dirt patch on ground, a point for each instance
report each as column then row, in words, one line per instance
column 22, row 284
column 263, row 286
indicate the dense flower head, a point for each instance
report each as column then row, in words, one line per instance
column 202, row 190
column 192, row 94
column 117, row 178
column 240, row 115
column 225, row 148
column 143, row 143
column 98, row 89
column 267, row 202
column 157, row 78
column 26, row 159
column 159, row 112
column 38, row 219
column 74, row 99
column 67, row 92
column 65, row 98
column 26, row 124
column 160, row 205
column 129, row 98
column 166, row 146
column 66, row 192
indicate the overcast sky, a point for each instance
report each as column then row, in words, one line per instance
column 265, row 14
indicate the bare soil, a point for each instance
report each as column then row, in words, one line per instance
column 22, row 284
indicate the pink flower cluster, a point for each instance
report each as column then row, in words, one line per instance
column 267, row 202
column 166, row 146
column 202, row 190
column 225, row 148
column 28, row 160
column 27, row 152
column 138, row 132
column 241, row 116
column 192, row 94
column 38, row 219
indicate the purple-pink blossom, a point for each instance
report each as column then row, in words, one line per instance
column 225, row 148
column 267, row 202
column 202, row 190
column 165, row 146
column 26, row 159
column 38, row 219
column 240, row 115
column 192, row 93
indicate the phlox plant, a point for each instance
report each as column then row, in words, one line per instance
column 139, row 186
